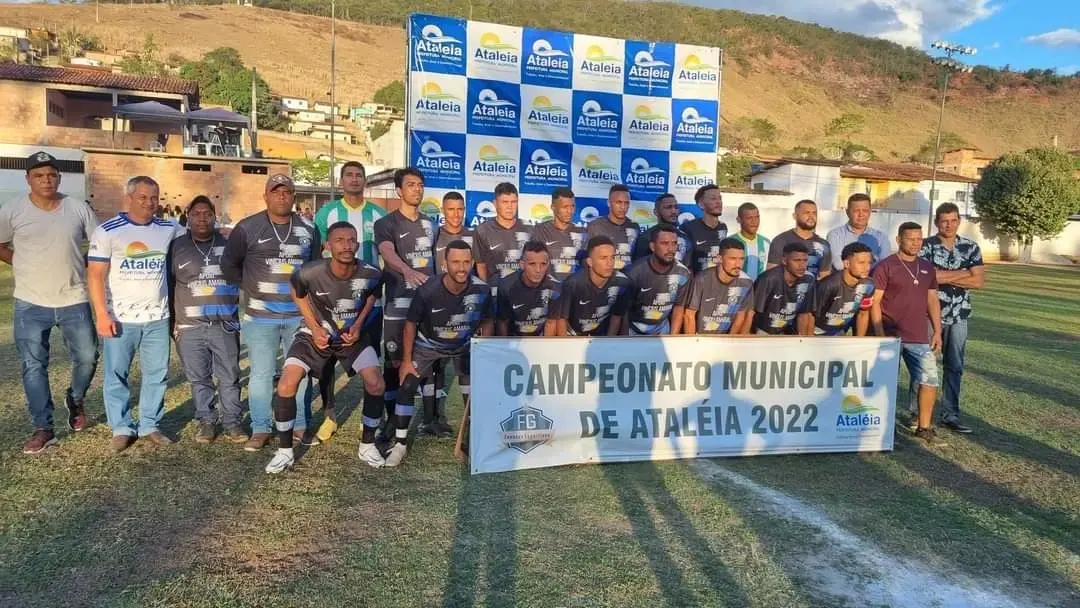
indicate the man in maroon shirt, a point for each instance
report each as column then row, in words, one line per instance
column 906, row 305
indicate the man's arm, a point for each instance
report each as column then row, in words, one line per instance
column 835, row 248
column 350, row 337
column 408, row 338
column 677, row 317
column 776, row 250
column 562, row 328
column 934, row 306
column 97, row 273
column 551, row 327
column 862, row 322
column 616, row 326
column 391, row 259
column 740, row 325
column 7, row 254
column 689, row 322
column 502, row 327
column 7, row 235
column 486, row 328
column 825, row 269
column 804, row 324
column 876, row 319
column 232, row 260
column 970, row 278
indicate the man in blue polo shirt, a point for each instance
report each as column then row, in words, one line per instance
column 857, row 230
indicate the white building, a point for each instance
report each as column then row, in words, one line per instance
column 294, row 104
column 388, row 150
column 310, row 116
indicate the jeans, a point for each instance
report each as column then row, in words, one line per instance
column 33, row 326
column 953, row 340
column 151, row 340
column 207, row 351
column 263, row 339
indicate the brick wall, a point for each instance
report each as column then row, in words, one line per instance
column 22, row 120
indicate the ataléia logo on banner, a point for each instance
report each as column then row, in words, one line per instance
column 548, row 166
column 438, row 44
column 440, row 156
column 548, row 58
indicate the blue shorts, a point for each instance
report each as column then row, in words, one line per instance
column 921, row 363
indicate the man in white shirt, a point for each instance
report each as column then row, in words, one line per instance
column 41, row 236
column 129, row 293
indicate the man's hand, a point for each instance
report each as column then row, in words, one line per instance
column 106, row 326
column 320, row 337
column 935, row 343
column 415, row 278
column 406, row 368
column 350, row 337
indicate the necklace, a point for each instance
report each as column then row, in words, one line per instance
column 209, row 250
column 280, row 240
column 914, row 278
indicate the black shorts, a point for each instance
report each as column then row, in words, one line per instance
column 392, row 335
column 426, row 361
column 352, row 358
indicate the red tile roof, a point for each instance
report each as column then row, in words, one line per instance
column 98, row 78
column 900, row 172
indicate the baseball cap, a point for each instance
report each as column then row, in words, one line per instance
column 41, row 159
column 279, row 179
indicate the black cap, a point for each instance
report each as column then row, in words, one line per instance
column 41, row 159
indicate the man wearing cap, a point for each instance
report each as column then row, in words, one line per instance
column 262, row 252
column 41, row 236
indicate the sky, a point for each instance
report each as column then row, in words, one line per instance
column 1022, row 34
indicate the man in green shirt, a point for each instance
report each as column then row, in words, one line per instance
column 757, row 246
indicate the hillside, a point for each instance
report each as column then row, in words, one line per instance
column 798, row 76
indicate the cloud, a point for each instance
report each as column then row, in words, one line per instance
column 996, row 45
column 1063, row 37
column 909, row 22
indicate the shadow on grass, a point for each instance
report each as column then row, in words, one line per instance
column 999, row 440
column 1024, row 382
column 484, row 531
column 1021, row 337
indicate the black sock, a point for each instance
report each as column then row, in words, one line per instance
column 428, row 399
column 284, row 414
column 372, row 414
column 326, row 388
column 440, row 395
column 390, row 378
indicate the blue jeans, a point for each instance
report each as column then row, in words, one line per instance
column 953, row 340
column 33, row 326
column 263, row 339
column 207, row 351
column 151, row 341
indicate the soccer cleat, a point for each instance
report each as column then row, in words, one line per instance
column 396, row 455
column 442, row 429
column 426, row 429
column 283, row 459
column 369, row 455
column 326, row 430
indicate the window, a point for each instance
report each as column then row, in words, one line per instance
column 18, row 163
column 961, row 196
column 197, row 167
column 759, row 185
column 979, row 171
column 934, row 195
column 253, row 169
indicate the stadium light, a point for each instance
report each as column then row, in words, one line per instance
column 948, row 66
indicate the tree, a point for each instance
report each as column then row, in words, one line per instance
column 312, row 171
column 732, row 169
column 949, row 141
column 145, row 62
column 223, row 79
column 379, row 129
column 1028, row 195
column 392, row 94
column 845, row 125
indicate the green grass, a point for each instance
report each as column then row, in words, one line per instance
column 194, row 525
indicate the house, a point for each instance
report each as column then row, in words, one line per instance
column 817, row 180
column 338, row 134
column 965, row 161
column 18, row 39
column 294, row 104
column 388, row 150
column 327, row 109
column 310, row 116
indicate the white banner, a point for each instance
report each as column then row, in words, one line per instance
column 549, row 402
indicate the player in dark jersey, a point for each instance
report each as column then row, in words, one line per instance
column 783, row 296
column 453, row 228
column 444, row 316
column 594, row 299
column 526, row 297
column 706, row 232
column 843, row 299
column 721, row 300
column 616, row 227
column 658, row 285
column 666, row 211
column 818, row 263
column 497, row 244
column 564, row 240
column 405, row 239
column 334, row 296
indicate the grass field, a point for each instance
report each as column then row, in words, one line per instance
column 991, row 519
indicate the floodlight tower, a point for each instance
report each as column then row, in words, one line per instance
column 948, row 66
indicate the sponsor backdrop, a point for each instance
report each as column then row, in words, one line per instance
column 541, row 109
column 542, row 403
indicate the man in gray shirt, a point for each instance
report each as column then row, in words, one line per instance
column 617, row 227
column 857, row 230
column 42, row 236
column 565, row 242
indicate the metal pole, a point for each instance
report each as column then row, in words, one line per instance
column 937, row 150
column 333, row 96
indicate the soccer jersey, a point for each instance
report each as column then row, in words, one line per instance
column 413, row 242
column 526, row 307
column 445, row 322
column 776, row 304
column 757, row 254
column 443, row 238
column 261, row 256
column 641, row 245
column 587, row 308
column 964, row 255
column 336, row 302
column 818, row 258
column 717, row 303
column 704, row 243
column 362, row 218
column 836, row 304
column 499, row 248
column 565, row 247
column 199, row 290
column 137, row 286
column 624, row 235
column 653, row 295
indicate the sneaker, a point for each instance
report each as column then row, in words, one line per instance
column 235, row 434
column 257, row 442
column 119, row 443
column 283, row 459
column 76, row 414
column 442, row 429
column 955, row 426
column 396, row 455
column 326, row 430
column 207, row 432
column 930, row 438
column 385, row 432
column 370, row 455
column 41, row 439
column 305, row 438
column 159, row 438
column 426, row 428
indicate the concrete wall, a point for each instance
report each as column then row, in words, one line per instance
column 389, row 149
column 817, row 183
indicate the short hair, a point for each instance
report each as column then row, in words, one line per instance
column 702, row 190
column 338, row 226
column 944, row 208
column 852, row 248
column 561, row 192
column 201, row 199
column 746, row 207
column 459, row 244
column 353, row 163
column 662, row 228
column 731, row 243
column 453, row 195
column 534, row 247
column 796, row 247
column 618, row 188
column 138, row 180
column 858, row 196
column 804, row 201
column 908, row 226
column 505, row 188
column 400, row 174
column 597, row 241
column 663, row 197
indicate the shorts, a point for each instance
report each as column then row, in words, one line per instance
column 373, row 330
column 352, row 358
column 921, row 363
column 426, row 361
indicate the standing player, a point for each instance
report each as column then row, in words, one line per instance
column 595, row 298
column 721, row 301
column 526, row 297
column 497, row 245
column 563, row 239
column 405, row 243
column 444, row 316
column 620, row 231
column 334, row 296
column 453, row 228
column 707, row 231
column 783, row 295
column 666, row 210
column 658, row 285
column 843, row 299
column 818, row 261
column 757, row 246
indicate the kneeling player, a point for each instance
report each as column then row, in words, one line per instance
column 526, row 297
column 782, row 295
column 843, row 299
column 594, row 299
column 334, row 296
column 658, row 284
column 721, row 299
column 443, row 317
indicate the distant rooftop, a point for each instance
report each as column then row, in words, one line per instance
column 98, row 78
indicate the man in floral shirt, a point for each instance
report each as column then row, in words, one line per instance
column 960, row 269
